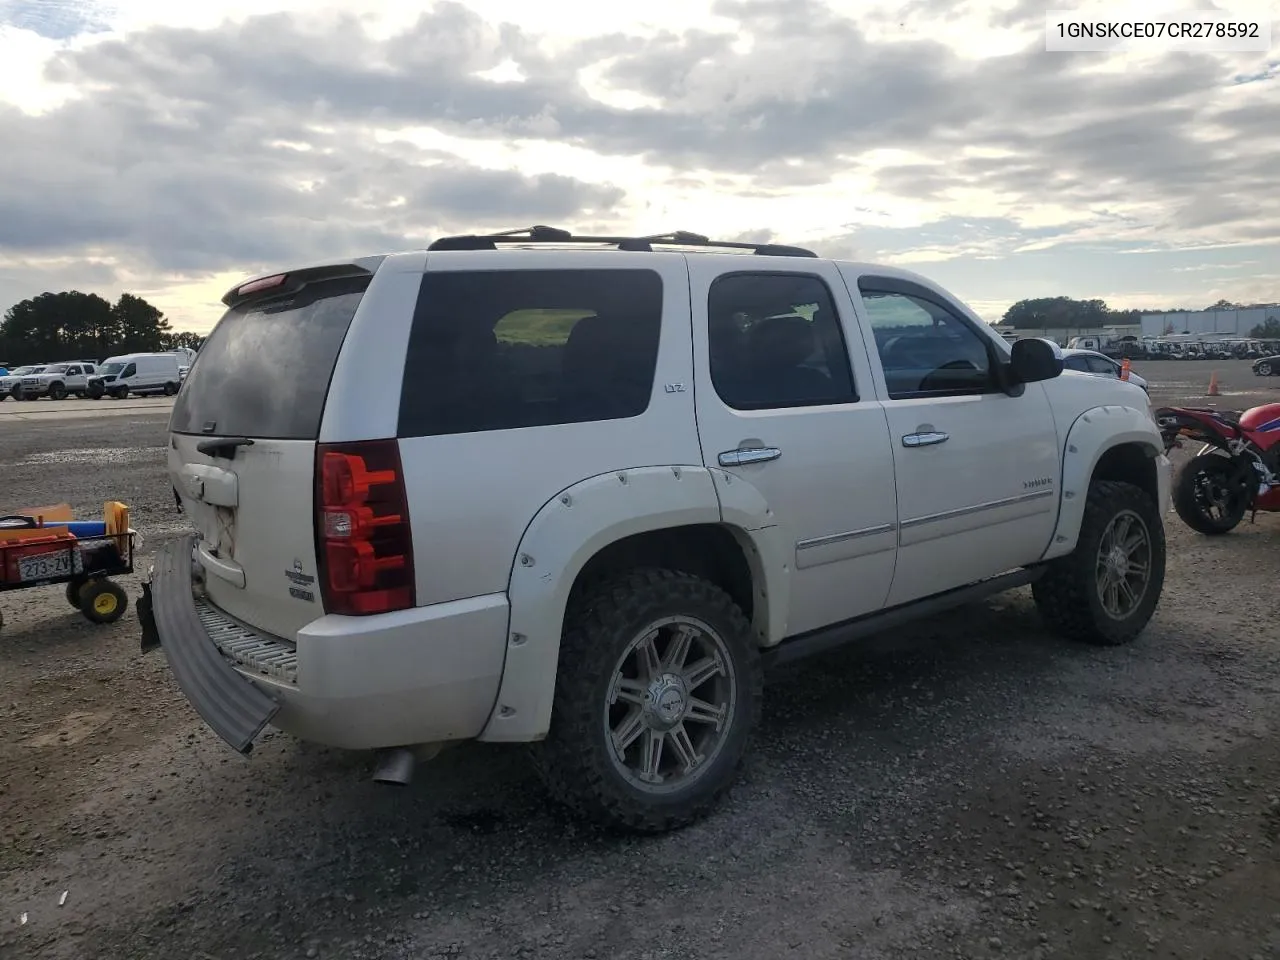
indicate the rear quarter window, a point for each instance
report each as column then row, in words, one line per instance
column 506, row 349
column 265, row 369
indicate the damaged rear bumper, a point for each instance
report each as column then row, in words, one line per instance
column 235, row 709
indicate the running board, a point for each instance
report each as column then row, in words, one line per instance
column 829, row 638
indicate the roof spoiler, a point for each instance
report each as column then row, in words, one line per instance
column 291, row 281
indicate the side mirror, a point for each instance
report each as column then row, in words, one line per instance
column 1033, row 359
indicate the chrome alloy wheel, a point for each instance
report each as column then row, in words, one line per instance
column 671, row 704
column 1124, row 564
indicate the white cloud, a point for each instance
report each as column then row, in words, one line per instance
column 225, row 141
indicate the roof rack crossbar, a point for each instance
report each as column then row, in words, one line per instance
column 677, row 238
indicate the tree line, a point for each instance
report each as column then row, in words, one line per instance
column 84, row 326
column 1058, row 313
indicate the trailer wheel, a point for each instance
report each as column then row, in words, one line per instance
column 102, row 601
column 74, row 591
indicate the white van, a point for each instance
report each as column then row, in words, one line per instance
column 137, row 373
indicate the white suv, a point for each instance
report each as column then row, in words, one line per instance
column 616, row 480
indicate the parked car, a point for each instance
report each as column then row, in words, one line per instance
column 1268, row 366
column 582, row 498
column 139, row 373
column 57, row 381
column 1091, row 361
column 10, row 382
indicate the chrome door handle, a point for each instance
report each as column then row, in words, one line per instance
column 737, row 458
column 924, row 439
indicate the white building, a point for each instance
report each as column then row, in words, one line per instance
column 1219, row 322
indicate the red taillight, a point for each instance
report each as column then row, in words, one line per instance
column 266, row 283
column 363, row 538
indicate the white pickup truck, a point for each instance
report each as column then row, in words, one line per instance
column 57, row 381
column 607, row 483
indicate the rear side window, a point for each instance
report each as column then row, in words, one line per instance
column 774, row 341
column 265, row 369
column 505, row 349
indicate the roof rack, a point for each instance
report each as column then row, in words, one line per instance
column 677, row 238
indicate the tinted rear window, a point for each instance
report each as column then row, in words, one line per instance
column 497, row 350
column 265, row 369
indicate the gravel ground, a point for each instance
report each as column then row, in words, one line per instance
column 965, row 788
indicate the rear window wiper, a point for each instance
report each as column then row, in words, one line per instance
column 224, row 447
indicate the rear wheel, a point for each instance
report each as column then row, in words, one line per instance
column 102, row 601
column 1210, row 496
column 74, row 589
column 1105, row 591
column 657, row 693
column 57, row 391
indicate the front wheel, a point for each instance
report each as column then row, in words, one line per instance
column 121, row 393
column 1105, row 591
column 102, row 601
column 1264, row 370
column 170, row 389
column 95, row 390
column 657, row 693
column 1210, row 496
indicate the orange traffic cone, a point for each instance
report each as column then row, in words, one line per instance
column 1213, row 384
column 1124, row 369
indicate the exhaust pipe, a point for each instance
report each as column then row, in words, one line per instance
column 395, row 766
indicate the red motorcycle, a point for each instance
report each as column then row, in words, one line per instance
column 1236, row 471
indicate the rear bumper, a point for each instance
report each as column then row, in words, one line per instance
column 416, row 676
column 234, row 708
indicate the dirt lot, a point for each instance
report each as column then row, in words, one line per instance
column 969, row 788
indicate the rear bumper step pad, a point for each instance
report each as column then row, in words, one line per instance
column 234, row 708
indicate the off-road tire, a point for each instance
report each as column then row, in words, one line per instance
column 1184, row 498
column 98, row 590
column 1067, row 594
column 574, row 761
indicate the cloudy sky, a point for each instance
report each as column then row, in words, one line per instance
column 170, row 151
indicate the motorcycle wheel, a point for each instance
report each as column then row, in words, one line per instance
column 1208, row 495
